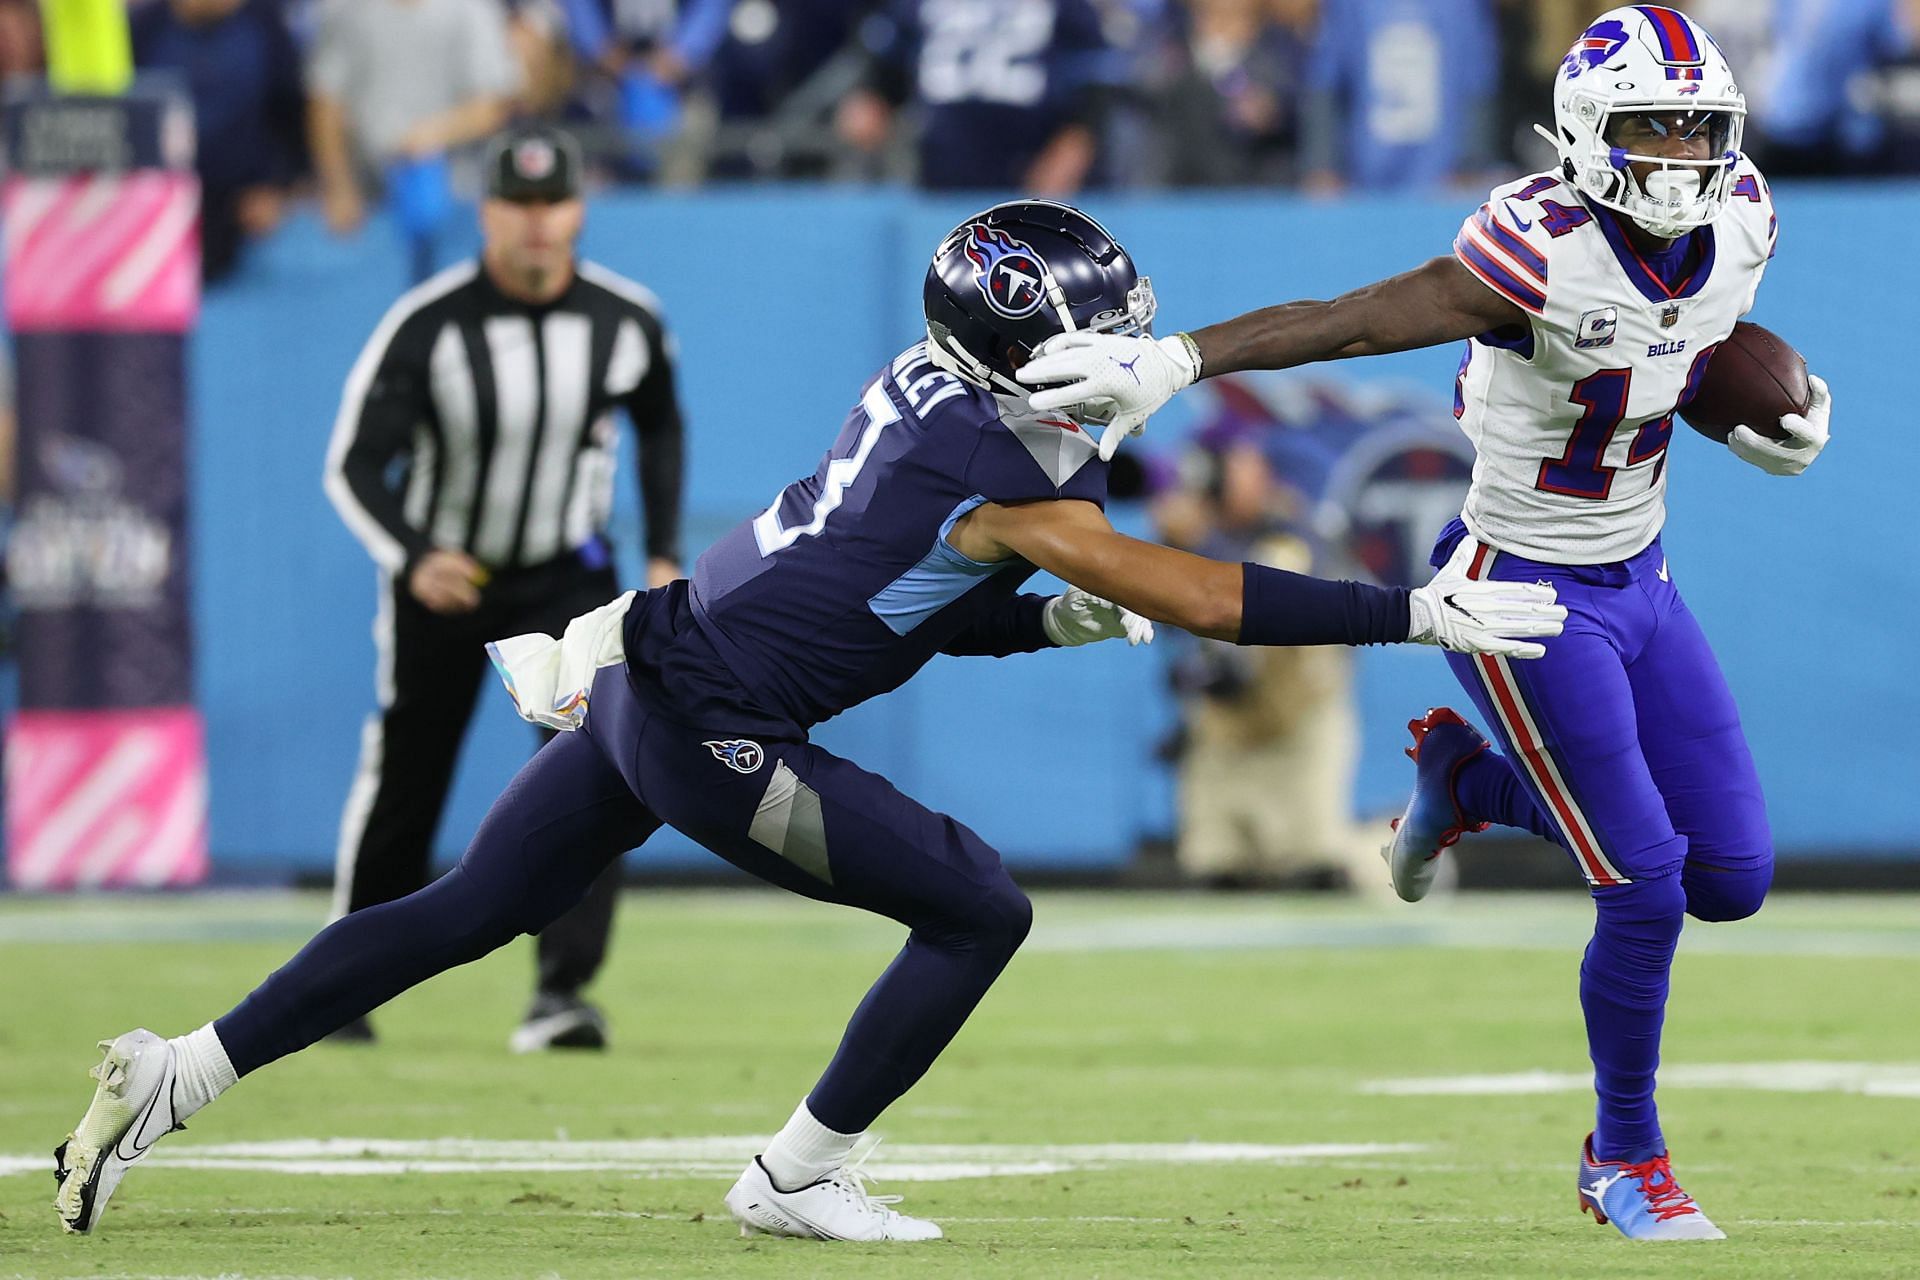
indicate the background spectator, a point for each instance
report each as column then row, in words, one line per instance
column 1037, row 96
column 1400, row 93
column 635, row 59
column 1005, row 94
column 536, row 32
column 773, row 81
column 241, row 67
column 1231, row 107
column 1817, row 116
column 23, row 53
column 1892, row 91
column 1271, row 738
column 394, row 85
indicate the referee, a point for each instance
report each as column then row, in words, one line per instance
column 474, row 457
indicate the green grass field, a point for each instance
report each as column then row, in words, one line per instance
column 1309, row 1059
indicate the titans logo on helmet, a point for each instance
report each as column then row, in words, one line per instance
column 1599, row 43
column 1008, row 272
column 738, row 754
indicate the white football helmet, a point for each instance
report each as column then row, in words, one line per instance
column 1637, row 59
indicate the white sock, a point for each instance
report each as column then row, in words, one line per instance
column 201, row 1070
column 805, row 1151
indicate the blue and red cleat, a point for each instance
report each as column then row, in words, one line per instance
column 1642, row 1199
column 1442, row 745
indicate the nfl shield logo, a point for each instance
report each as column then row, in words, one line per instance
column 533, row 159
column 1669, row 315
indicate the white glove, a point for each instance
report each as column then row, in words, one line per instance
column 1078, row 618
column 1134, row 375
column 1806, row 436
column 1465, row 616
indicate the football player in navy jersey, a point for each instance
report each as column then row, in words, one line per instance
column 691, row 705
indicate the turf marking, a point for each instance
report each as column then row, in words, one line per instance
column 1070, row 922
column 720, row 1156
column 1869, row 1079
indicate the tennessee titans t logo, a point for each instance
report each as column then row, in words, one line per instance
column 737, row 754
column 1007, row 271
column 1596, row 44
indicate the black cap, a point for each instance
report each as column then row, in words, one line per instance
column 533, row 162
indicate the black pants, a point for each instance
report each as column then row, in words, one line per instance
column 431, row 668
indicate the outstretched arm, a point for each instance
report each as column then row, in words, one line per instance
column 1073, row 541
column 1439, row 302
column 1253, row 604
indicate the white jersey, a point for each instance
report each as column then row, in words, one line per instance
column 1571, row 421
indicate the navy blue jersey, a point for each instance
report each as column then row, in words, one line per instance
column 846, row 585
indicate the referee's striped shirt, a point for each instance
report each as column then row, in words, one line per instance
column 477, row 422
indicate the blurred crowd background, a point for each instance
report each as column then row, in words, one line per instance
column 355, row 103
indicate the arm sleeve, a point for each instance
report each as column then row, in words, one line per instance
column 1282, row 608
column 1015, row 628
column 654, row 409
column 386, row 397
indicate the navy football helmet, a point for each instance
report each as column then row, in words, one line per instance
column 1012, row 276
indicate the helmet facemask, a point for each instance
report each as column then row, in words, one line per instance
column 1674, row 196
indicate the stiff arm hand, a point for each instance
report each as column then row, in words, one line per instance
column 1134, row 375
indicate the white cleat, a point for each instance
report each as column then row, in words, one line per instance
column 837, row 1207
column 132, row 1109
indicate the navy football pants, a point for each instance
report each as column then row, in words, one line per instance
column 1623, row 745
column 788, row 812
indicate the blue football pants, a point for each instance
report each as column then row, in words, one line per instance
column 1623, row 746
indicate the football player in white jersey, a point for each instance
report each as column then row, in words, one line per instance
column 1589, row 297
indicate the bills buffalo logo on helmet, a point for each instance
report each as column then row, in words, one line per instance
column 738, row 754
column 1596, row 45
column 1009, row 273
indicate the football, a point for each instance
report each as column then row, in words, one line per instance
column 1751, row 379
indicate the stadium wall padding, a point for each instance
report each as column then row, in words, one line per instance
column 785, row 300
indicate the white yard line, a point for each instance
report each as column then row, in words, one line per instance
column 713, row 1157
column 1869, row 1079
